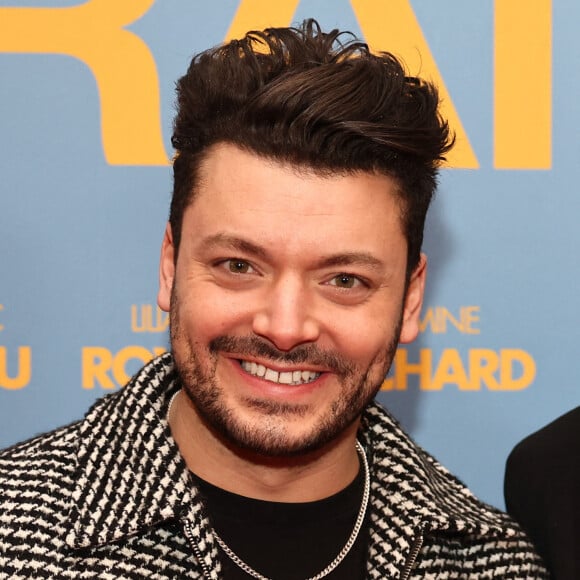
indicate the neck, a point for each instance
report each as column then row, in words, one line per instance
column 301, row 478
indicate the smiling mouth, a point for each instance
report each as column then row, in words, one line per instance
column 283, row 378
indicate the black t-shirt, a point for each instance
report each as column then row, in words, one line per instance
column 289, row 541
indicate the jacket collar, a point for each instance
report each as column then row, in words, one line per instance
column 413, row 495
column 130, row 475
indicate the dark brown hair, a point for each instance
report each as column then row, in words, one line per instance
column 320, row 100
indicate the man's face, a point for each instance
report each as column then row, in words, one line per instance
column 287, row 299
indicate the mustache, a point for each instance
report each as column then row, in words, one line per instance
column 303, row 353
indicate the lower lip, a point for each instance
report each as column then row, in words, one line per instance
column 269, row 389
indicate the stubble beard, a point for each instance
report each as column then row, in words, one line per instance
column 269, row 435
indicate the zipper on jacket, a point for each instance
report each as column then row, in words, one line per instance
column 410, row 563
column 195, row 548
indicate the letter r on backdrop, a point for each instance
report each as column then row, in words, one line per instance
column 120, row 61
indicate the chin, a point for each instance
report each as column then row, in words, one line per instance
column 269, row 429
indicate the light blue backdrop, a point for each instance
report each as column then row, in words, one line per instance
column 79, row 237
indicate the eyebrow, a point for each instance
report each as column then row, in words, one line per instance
column 234, row 243
column 245, row 246
column 351, row 259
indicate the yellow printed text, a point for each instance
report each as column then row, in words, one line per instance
column 103, row 368
column 147, row 318
column 95, row 32
column 124, row 69
column 508, row 369
column 439, row 319
column 20, row 378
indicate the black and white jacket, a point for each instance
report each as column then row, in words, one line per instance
column 110, row 497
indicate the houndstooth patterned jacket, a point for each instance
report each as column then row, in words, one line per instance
column 110, row 497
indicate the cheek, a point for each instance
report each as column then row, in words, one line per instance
column 205, row 313
column 364, row 341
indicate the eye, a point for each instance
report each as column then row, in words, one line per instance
column 345, row 281
column 236, row 266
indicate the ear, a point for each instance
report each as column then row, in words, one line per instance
column 166, row 270
column 414, row 302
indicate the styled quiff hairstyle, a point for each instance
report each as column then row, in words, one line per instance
column 318, row 100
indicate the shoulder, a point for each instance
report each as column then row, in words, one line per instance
column 543, row 473
column 51, row 446
column 37, row 474
column 427, row 501
column 541, row 491
column 428, row 490
column 36, row 482
column 554, row 447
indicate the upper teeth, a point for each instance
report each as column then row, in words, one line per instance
column 285, row 378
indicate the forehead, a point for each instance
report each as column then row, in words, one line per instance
column 239, row 190
column 225, row 167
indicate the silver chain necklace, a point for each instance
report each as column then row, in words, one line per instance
column 346, row 548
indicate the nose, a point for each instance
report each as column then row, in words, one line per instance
column 287, row 316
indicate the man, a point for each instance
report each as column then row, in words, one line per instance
column 541, row 491
column 291, row 268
